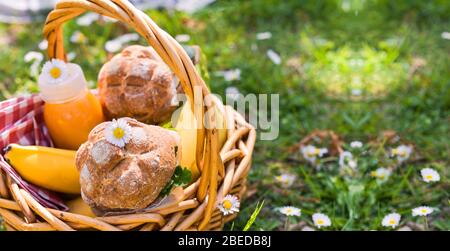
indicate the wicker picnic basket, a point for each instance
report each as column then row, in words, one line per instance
column 222, row 171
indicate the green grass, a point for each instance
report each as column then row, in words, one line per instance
column 391, row 51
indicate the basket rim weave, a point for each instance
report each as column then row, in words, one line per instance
column 223, row 170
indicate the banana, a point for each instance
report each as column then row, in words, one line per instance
column 78, row 206
column 47, row 167
column 185, row 124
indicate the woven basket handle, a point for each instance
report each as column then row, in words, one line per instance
column 207, row 152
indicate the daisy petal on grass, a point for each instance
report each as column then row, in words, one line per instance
column 286, row 180
column 118, row 132
column 402, row 152
column 113, row 46
column 382, row 174
column 232, row 93
column 391, row 220
column 356, row 144
column 321, row 220
column 290, row 211
column 263, row 35
column 273, row 56
column 43, row 45
column 229, row 205
column 346, row 160
column 78, row 38
column 310, row 153
column 430, row 175
column 422, row 211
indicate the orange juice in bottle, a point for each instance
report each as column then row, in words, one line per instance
column 71, row 111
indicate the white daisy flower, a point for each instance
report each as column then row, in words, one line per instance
column 71, row 56
column 286, row 179
column 78, row 38
column 229, row 205
column 87, row 19
column 391, row 220
column 346, row 160
column 273, row 56
column 321, row 220
column 290, row 211
column 445, row 35
column 230, row 75
column 55, row 71
column 402, row 152
column 356, row 92
column 113, row 46
column 263, row 35
column 118, row 132
column 129, row 37
column 381, row 173
column 430, row 175
column 33, row 56
column 36, row 58
column 43, row 45
column 422, row 211
column 182, row 38
column 310, row 153
column 232, row 93
column 356, row 144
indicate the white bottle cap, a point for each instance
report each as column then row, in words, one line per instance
column 70, row 88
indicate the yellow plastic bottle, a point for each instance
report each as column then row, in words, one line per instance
column 71, row 111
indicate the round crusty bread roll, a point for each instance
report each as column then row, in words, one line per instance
column 137, row 83
column 119, row 179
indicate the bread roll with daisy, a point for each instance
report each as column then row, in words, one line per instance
column 125, row 164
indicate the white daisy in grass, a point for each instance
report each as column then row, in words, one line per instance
column 321, row 220
column 229, row 205
column 183, row 38
column 230, row 75
column 381, row 173
column 36, row 58
column 356, row 144
column 55, row 71
column 128, row 37
column 78, row 38
column 273, row 56
column 445, row 35
column 391, row 220
column 87, row 19
column 113, row 46
column 232, row 93
column 402, row 152
column 286, row 179
column 118, row 132
column 290, row 211
column 263, row 35
column 310, row 153
column 43, row 45
column 430, row 175
column 422, row 211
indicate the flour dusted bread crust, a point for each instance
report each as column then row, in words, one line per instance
column 119, row 179
column 137, row 83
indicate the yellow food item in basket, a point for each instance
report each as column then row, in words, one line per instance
column 47, row 167
column 185, row 125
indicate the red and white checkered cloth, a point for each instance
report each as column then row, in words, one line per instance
column 21, row 122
